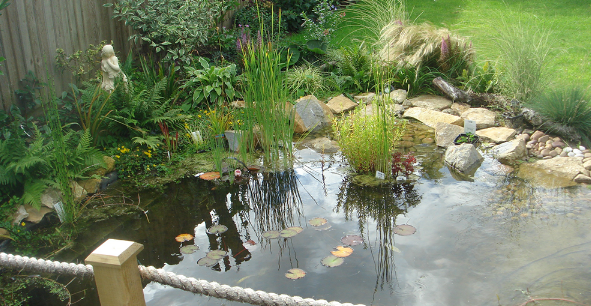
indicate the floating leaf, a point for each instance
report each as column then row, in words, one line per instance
column 295, row 273
column 271, row 234
column 184, row 237
column 352, row 240
column 189, row 249
column 253, row 168
column 323, row 227
column 217, row 229
column 332, row 261
column 342, row 251
column 287, row 233
column 317, row 221
column 298, row 229
column 209, row 176
column 216, row 254
column 206, row 261
column 404, row 230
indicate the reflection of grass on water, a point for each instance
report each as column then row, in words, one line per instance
column 382, row 204
column 275, row 201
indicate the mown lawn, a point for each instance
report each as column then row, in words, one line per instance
column 569, row 22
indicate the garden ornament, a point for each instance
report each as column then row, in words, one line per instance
column 110, row 68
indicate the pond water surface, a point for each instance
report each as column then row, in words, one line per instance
column 488, row 240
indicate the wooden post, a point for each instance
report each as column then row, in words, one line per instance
column 116, row 273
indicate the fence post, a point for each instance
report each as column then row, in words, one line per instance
column 116, row 273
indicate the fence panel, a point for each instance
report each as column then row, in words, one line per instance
column 32, row 30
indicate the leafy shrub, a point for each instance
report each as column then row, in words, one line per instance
column 291, row 12
column 305, row 80
column 570, row 107
column 479, row 79
column 211, row 83
column 523, row 51
column 174, row 27
column 81, row 64
column 323, row 22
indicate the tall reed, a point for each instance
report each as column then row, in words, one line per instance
column 269, row 117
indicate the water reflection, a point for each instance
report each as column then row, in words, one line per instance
column 381, row 204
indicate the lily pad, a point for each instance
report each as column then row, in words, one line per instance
column 404, row 230
column 189, row 249
column 207, row 262
column 216, row 254
column 352, row 240
column 317, row 221
column 184, row 237
column 295, row 273
column 298, row 229
column 271, row 234
column 342, row 251
column 210, row 176
column 332, row 261
column 217, row 229
column 287, row 233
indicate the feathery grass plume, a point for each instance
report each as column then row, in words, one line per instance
column 569, row 107
column 524, row 48
column 371, row 16
column 425, row 45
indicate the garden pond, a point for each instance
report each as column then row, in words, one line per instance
column 488, row 239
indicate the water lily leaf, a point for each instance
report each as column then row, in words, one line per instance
column 342, row 251
column 287, row 233
column 271, row 234
column 184, row 237
column 317, row 221
column 332, row 261
column 209, row 176
column 298, row 229
column 217, row 229
column 295, row 273
column 323, row 227
column 216, row 254
column 206, row 261
column 352, row 240
column 404, row 230
column 189, row 249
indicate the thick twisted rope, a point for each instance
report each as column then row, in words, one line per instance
column 212, row 289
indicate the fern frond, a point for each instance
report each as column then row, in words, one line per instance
column 33, row 189
column 150, row 141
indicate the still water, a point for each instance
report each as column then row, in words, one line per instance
column 488, row 240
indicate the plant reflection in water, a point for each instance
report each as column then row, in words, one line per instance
column 381, row 204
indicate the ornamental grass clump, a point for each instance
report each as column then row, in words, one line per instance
column 570, row 108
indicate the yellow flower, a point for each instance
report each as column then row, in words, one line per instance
column 117, row 156
column 23, row 224
column 199, row 116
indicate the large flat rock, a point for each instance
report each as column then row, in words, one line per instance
column 496, row 134
column 340, row 104
column 431, row 102
column 484, row 118
column 431, row 117
column 446, row 133
column 553, row 172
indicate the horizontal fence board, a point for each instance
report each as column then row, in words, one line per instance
column 32, row 30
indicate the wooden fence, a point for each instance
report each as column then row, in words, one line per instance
column 32, row 30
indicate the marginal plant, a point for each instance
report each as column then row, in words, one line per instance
column 212, row 84
column 402, row 164
column 355, row 66
column 524, row 49
column 569, row 107
column 90, row 105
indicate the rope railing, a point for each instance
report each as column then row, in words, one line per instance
column 212, row 289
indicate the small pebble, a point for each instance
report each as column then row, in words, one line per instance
column 568, row 149
column 581, row 148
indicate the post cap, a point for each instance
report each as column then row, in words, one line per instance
column 114, row 253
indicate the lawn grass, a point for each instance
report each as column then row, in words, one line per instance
column 569, row 61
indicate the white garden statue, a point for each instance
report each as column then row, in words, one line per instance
column 110, row 68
